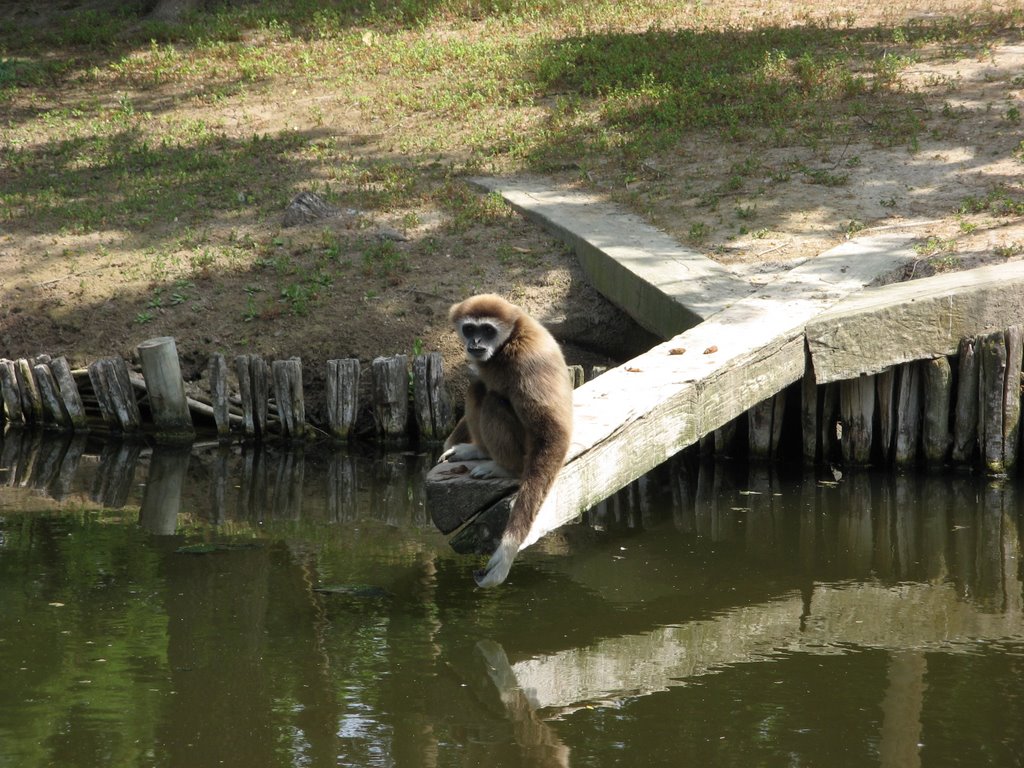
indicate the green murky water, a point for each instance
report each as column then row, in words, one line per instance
column 273, row 609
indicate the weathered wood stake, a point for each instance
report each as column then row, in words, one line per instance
column 11, row 393
column 391, row 395
column 115, row 394
column 765, row 426
column 291, row 406
column 885, row 391
column 908, row 415
column 342, row 396
column 165, row 387
column 938, row 389
column 55, row 414
column 857, row 406
column 434, row 414
column 965, row 422
column 69, row 393
column 31, row 399
column 809, row 407
column 219, row 395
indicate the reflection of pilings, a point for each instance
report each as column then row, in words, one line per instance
column 161, row 500
column 287, row 499
column 252, row 495
column 115, row 474
column 341, row 487
column 219, row 479
column 60, row 487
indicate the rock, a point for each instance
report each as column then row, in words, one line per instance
column 307, row 207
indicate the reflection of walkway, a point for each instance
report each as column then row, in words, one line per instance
column 916, row 617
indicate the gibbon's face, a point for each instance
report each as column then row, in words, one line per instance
column 483, row 336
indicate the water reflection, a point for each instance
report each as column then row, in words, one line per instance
column 287, row 609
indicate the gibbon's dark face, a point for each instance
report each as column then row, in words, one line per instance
column 482, row 336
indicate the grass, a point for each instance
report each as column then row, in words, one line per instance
column 118, row 124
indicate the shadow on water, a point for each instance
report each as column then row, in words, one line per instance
column 233, row 606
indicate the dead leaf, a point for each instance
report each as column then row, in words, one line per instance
column 677, row 350
column 634, row 370
column 711, row 350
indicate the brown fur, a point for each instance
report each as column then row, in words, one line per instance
column 519, row 412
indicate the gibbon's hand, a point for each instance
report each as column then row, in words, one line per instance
column 462, row 452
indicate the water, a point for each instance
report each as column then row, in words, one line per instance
column 272, row 609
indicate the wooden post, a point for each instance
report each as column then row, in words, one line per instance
column 253, row 389
column 11, row 393
column 908, row 414
column 31, row 399
column 342, row 396
column 857, row 405
column 53, row 406
column 885, row 391
column 434, row 414
column 391, row 395
column 219, row 395
column 291, row 407
column 69, row 393
column 765, row 424
column 809, row 407
column 938, row 387
column 576, row 377
column 115, row 394
column 999, row 399
column 829, row 419
column 965, row 423
column 165, row 387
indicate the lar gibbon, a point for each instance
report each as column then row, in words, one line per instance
column 518, row 412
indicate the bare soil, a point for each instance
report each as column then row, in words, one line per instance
column 91, row 295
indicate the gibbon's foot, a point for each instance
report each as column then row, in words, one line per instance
column 498, row 566
column 462, row 452
column 490, row 469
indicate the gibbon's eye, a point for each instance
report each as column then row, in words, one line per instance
column 469, row 330
column 488, row 332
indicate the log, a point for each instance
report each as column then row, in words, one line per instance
column 115, row 394
column 31, row 399
column 342, row 397
column 391, row 396
column 901, row 322
column 291, row 405
column 253, row 389
column 576, row 377
column 991, row 391
column 908, row 415
column 166, row 388
column 54, row 412
column 965, row 423
column 219, row 395
column 69, row 394
column 937, row 382
column 11, row 393
column 857, row 406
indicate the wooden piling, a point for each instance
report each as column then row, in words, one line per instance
column 908, row 415
column 54, row 412
column 253, row 388
column 391, row 396
column 219, row 395
column 857, row 408
column 166, row 388
column 291, row 405
column 810, row 407
column 965, row 419
column 885, row 394
column 999, row 399
column 11, row 393
column 433, row 410
column 31, row 399
column 342, row 397
column 576, row 377
column 764, row 422
column 69, row 394
column 937, row 385
column 115, row 394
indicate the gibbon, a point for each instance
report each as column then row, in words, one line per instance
column 518, row 412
